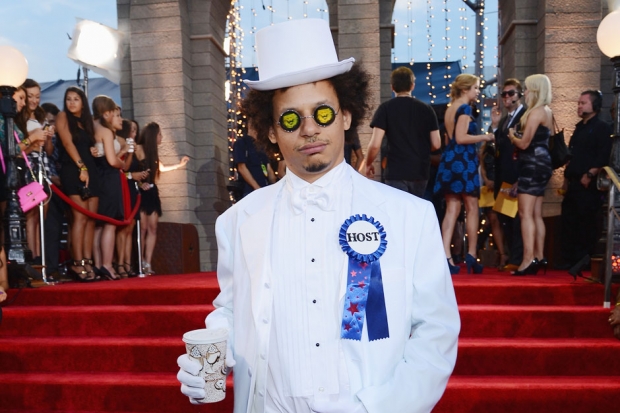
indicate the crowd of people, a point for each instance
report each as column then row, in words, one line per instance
column 100, row 166
column 513, row 155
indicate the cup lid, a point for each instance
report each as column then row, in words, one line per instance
column 205, row 336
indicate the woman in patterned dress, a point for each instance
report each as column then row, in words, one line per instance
column 457, row 176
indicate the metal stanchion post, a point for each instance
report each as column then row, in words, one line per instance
column 141, row 274
column 42, row 220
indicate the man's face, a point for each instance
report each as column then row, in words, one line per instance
column 50, row 119
column 311, row 150
column 584, row 106
column 510, row 94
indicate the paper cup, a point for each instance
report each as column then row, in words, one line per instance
column 208, row 347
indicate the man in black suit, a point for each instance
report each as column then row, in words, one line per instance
column 506, row 164
column 590, row 147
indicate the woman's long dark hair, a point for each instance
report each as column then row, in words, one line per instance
column 39, row 113
column 20, row 119
column 148, row 140
column 86, row 118
column 126, row 130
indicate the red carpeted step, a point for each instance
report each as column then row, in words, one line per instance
column 186, row 289
column 533, row 321
column 202, row 288
column 106, row 321
column 492, row 394
column 102, row 392
column 90, row 354
column 538, row 357
column 528, row 344
column 557, row 289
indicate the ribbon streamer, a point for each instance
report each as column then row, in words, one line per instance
column 364, row 298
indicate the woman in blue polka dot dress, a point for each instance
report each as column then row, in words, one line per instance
column 457, row 176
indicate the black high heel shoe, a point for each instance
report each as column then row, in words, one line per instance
column 106, row 274
column 543, row 263
column 576, row 269
column 473, row 264
column 531, row 269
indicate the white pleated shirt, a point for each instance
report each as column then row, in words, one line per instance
column 306, row 370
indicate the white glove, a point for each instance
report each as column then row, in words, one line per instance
column 192, row 385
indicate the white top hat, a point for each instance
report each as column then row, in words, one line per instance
column 294, row 53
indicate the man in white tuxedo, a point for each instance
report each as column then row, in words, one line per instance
column 334, row 288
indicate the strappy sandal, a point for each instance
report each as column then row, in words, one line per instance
column 128, row 270
column 117, row 268
column 82, row 276
column 93, row 270
column 146, row 269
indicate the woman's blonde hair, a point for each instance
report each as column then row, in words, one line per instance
column 462, row 83
column 539, row 94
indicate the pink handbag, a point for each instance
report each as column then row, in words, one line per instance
column 31, row 195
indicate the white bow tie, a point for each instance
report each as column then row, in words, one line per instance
column 309, row 195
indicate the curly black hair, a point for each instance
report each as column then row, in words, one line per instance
column 352, row 90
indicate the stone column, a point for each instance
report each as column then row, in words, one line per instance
column 569, row 55
column 359, row 37
column 174, row 75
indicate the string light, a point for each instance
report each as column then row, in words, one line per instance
column 233, row 62
column 409, row 27
column 429, row 17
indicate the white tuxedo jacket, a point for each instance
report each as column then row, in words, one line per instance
column 406, row 372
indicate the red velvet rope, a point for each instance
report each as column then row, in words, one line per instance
column 127, row 212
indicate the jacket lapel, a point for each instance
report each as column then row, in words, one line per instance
column 256, row 236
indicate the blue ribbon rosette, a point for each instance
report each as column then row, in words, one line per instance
column 363, row 239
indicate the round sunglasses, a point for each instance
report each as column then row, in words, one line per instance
column 290, row 120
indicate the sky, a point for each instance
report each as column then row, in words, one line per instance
column 40, row 29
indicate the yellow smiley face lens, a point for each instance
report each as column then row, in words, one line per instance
column 290, row 121
column 323, row 116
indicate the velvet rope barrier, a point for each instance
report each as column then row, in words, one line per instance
column 126, row 204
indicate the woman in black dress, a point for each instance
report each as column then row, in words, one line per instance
column 107, row 121
column 150, row 208
column 79, row 178
column 534, row 166
column 124, row 241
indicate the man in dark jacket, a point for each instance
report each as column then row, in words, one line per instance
column 506, row 164
column 590, row 147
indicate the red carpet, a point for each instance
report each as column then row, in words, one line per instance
column 528, row 344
